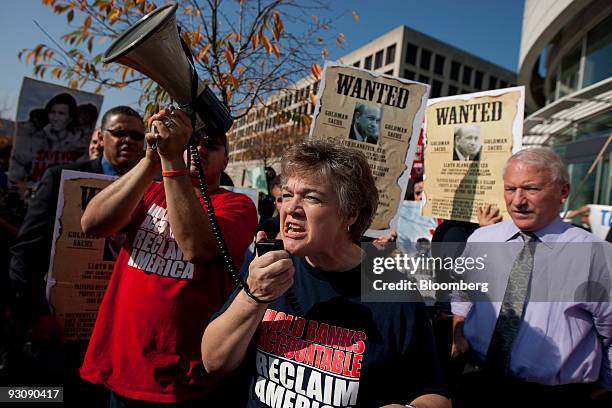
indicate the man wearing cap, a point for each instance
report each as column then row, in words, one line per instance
column 538, row 346
column 169, row 277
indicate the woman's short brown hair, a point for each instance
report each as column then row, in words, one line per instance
column 347, row 171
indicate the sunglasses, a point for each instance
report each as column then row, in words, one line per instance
column 132, row 134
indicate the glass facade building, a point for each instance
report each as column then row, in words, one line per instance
column 567, row 70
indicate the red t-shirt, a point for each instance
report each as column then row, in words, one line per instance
column 146, row 341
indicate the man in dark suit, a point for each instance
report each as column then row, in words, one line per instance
column 467, row 143
column 366, row 123
column 122, row 136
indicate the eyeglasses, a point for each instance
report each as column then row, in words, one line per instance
column 132, row 134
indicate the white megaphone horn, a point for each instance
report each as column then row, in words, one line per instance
column 153, row 47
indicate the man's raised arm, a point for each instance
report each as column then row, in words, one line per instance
column 111, row 209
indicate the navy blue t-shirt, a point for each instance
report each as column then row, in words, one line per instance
column 342, row 352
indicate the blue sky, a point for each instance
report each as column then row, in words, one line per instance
column 490, row 29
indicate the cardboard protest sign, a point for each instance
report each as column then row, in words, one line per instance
column 468, row 139
column 379, row 115
column 54, row 126
column 413, row 228
column 600, row 218
column 81, row 265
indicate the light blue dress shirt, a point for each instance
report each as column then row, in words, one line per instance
column 559, row 342
column 108, row 168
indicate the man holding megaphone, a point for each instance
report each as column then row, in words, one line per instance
column 168, row 279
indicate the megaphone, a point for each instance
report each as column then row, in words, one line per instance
column 153, row 47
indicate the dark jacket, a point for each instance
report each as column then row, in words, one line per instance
column 476, row 157
column 368, row 139
column 32, row 249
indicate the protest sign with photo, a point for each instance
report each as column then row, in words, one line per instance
column 468, row 139
column 81, row 265
column 413, row 228
column 379, row 115
column 54, row 125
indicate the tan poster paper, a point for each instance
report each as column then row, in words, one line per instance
column 81, row 265
column 468, row 139
column 379, row 115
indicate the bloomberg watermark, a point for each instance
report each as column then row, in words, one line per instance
column 443, row 272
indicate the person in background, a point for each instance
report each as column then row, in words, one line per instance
column 583, row 214
column 123, row 135
column 96, row 144
column 271, row 226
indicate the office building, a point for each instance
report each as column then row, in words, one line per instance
column 264, row 133
column 565, row 64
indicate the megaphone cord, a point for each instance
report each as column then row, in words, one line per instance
column 214, row 226
column 210, row 211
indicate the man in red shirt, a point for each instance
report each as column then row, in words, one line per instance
column 169, row 278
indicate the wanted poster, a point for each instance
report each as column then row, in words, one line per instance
column 468, row 139
column 81, row 265
column 379, row 115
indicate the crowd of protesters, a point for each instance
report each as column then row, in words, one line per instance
column 179, row 330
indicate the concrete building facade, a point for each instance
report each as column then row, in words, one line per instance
column 403, row 52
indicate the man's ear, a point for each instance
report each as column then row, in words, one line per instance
column 565, row 190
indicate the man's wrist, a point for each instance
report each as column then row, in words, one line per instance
column 152, row 161
column 172, row 164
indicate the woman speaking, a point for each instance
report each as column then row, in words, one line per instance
column 334, row 350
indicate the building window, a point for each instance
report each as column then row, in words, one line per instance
column 467, row 75
column 425, row 59
column 378, row 60
column 570, row 71
column 492, row 82
column 390, row 58
column 357, row 64
column 409, row 74
column 503, row 84
column 439, row 65
column 452, row 90
column 597, row 64
column 454, row 74
column 424, row 79
column 367, row 64
column 436, row 89
column 411, row 54
column 389, row 72
column 478, row 79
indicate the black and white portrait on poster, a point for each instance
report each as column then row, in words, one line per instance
column 54, row 126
